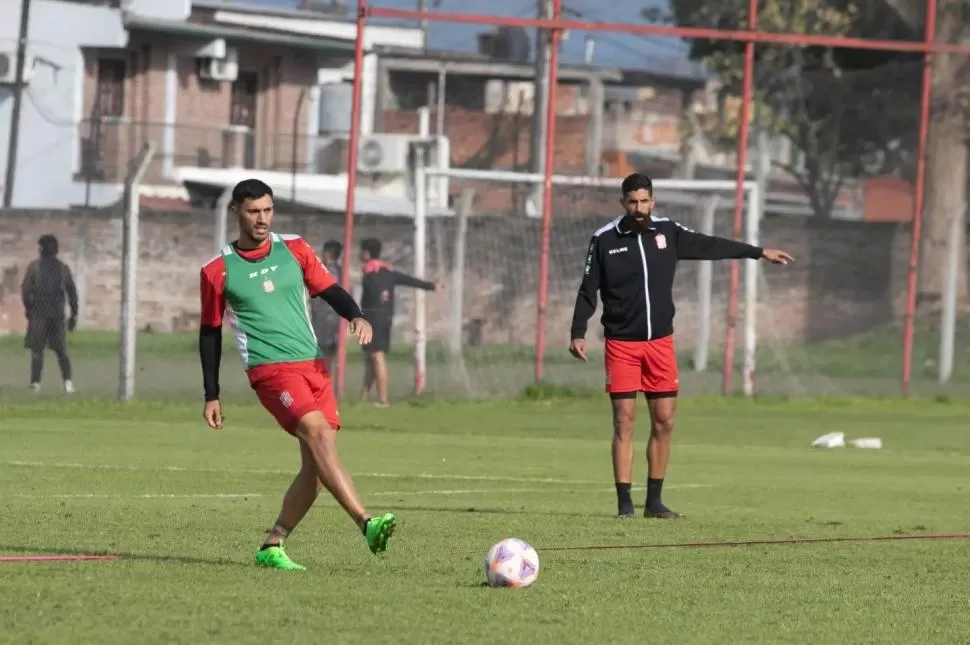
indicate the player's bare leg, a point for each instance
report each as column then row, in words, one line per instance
column 658, row 454
column 624, row 419
column 368, row 377
column 298, row 499
column 380, row 376
column 321, row 442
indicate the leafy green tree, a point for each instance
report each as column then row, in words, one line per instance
column 830, row 104
column 946, row 158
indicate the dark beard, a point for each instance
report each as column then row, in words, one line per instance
column 636, row 224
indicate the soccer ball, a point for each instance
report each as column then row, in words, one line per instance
column 511, row 563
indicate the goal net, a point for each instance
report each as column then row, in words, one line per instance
column 478, row 337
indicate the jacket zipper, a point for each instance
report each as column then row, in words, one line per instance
column 646, row 285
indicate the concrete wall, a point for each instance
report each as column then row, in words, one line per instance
column 849, row 276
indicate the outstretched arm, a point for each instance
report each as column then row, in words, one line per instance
column 585, row 301
column 692, row 245
column 406, row 280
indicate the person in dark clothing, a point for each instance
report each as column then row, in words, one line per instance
column 377, row 302
column 326, row 322
column 630, row 265
column 47, row 287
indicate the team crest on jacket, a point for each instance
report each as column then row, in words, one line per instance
column 268, row 286
column 661, row 241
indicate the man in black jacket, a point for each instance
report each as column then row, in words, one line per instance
column 377, row 302
column 631, row 264
column 47, row 287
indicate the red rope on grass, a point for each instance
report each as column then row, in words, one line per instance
column 55, row 558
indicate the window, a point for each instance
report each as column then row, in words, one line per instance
column 242, row 108
column 109, row 99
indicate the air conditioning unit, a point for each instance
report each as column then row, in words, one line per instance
column 8, row 67
column 219, row 69
column 384, row 153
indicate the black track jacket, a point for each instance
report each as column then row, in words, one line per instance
column 634, row 275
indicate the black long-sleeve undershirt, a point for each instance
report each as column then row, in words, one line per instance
column 210, row 351
column 210, row 338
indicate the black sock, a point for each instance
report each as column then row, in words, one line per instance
column 363, row 526
column 268, row 546
column 624, row 502
column 654, row 489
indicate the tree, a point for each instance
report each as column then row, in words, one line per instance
column 822, row 100
column 946, row 157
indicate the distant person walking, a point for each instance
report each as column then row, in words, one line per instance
column 47, row 288
column 326, row 322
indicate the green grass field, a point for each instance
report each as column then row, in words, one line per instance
column 186, row 507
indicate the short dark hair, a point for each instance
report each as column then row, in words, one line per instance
column 637, row 181
column 48, row 244
column 250, row 189
column 372, row 245
column 334, row 248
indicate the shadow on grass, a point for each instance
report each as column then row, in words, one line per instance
column 12, row 549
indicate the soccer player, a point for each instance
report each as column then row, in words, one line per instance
column 326, row 322
column 631, row 263
column 260, row 284
column 377, row 301
column 48, row 285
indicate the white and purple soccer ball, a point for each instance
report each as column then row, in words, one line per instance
column 511, row 563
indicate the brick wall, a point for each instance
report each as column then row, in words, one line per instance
column 498, row 141
column 202, row 107
column 849, row 276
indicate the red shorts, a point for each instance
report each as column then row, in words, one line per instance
column 648, row 366
column 290, row 391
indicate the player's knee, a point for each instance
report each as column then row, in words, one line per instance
column 623, row 421
column 662, row 425
column 315, row 430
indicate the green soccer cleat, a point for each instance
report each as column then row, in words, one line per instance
column 275, row 558
column 378, row 530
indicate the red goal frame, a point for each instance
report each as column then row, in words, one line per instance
column 750, row 37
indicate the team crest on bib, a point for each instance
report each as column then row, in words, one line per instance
column 268, row 286
column 661, row 241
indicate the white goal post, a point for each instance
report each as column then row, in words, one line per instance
column 708, row 194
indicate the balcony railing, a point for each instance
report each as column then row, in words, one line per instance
column 109, row 146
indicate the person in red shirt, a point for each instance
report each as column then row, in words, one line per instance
column 377, row 301
column 260, row 284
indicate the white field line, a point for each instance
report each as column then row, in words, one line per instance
column 260, row 471
column 386, row 493
column 389, row 493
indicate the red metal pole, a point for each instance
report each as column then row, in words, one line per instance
column 794, row 40
column 924, row 128
column 745, row 116
column 543, row 295
column 351, row 187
